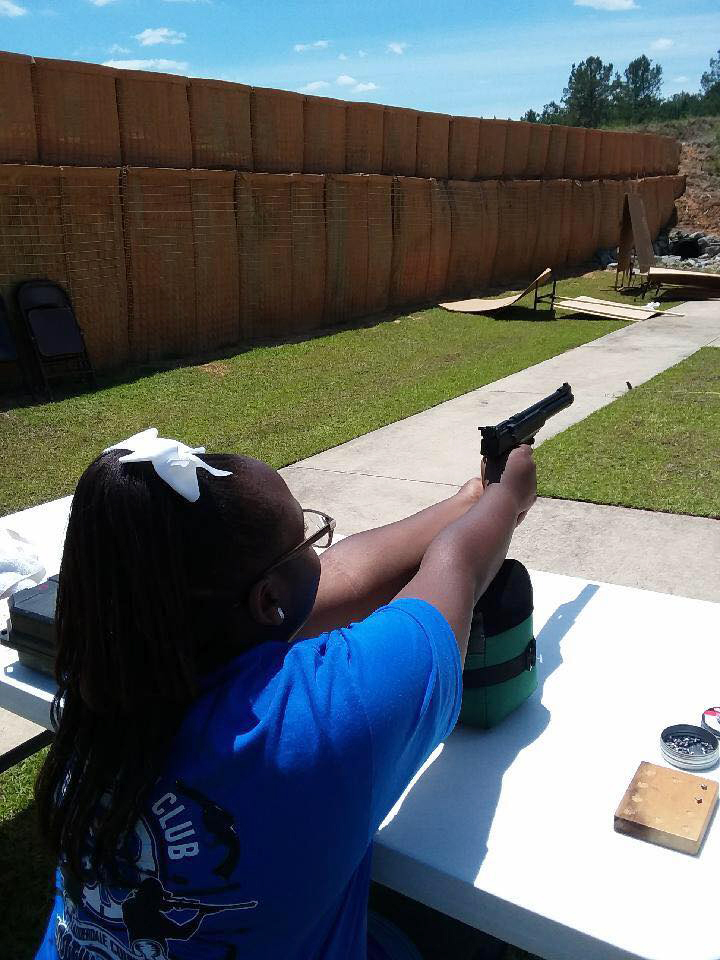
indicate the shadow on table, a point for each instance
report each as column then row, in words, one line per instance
column 463, row 784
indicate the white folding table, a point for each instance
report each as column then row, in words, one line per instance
column 511, row 830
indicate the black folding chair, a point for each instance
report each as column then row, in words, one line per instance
column 8, row 350
column 57, row 340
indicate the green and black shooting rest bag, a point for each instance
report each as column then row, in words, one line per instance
column 500, row 672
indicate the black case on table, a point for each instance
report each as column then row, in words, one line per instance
column 31, row 627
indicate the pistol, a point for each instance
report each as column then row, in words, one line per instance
column 498, row 441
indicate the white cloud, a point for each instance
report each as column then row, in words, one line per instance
column 342, row 56
column 396, row 47
column 116, row 48
column 315, row 85
column 9, row 9
column 345, row 81
column 362, row 87
column 152, row 37
column 165, row 66
column 611, row 5
column 662, row 43
column 680, row 79
column 317, row 45
column 101, row 3
column 362, row 53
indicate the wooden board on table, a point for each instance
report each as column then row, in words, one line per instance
column 684, row 278
column 667, row 807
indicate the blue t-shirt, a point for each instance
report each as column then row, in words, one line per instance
column 255, row 841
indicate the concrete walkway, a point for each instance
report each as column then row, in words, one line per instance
column 392, row 472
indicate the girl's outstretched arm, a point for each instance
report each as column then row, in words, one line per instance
column 366, row 570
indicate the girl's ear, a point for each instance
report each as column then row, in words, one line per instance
column 264, row 604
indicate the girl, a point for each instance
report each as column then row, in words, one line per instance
column 235, row 715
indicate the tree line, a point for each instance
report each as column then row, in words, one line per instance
column 597, row 95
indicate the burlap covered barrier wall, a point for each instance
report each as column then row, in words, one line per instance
column 538, row 150
column 412, row 233
column 359, row 245
column 281, row 227
column 224, row 125
column 154, row 119
column 277, row 130
column 474, row 234
column 517, row 145
column 400, row 141
column 364, row 137
column 591, row 162
column 585, row 221
column 181, row 243
column 555, row 165
column 464, row 141
column 611, row 198
column 18, row 138
column 157, row 209
column 76, row 112
column 575, row 153
column 421, row 240
column 218, row 318
column 220, row 125
column 516, row 241
column 554, row 217
column 491, row 149
column 324, row 143
column 433, row 145
column 65, row 225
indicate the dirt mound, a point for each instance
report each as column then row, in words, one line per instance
column 700, row 206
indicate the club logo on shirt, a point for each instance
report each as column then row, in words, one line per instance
column 142, row 918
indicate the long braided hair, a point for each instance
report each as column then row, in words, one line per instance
column 140, row 614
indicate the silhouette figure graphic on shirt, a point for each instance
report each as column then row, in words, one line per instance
column 149, row 927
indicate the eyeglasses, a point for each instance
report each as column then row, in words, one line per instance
column 319, row 529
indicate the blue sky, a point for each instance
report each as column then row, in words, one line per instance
column 492, row 58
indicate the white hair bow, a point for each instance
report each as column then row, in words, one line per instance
column 174, row 462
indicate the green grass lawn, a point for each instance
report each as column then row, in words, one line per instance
column 283, row 403
column 657, row 447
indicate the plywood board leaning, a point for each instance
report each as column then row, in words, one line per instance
column 77, row 116
column 220, row 125
column 667, row 807
column 18, row 137
column 491, row 304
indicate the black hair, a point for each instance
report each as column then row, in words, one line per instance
column 147, row 601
